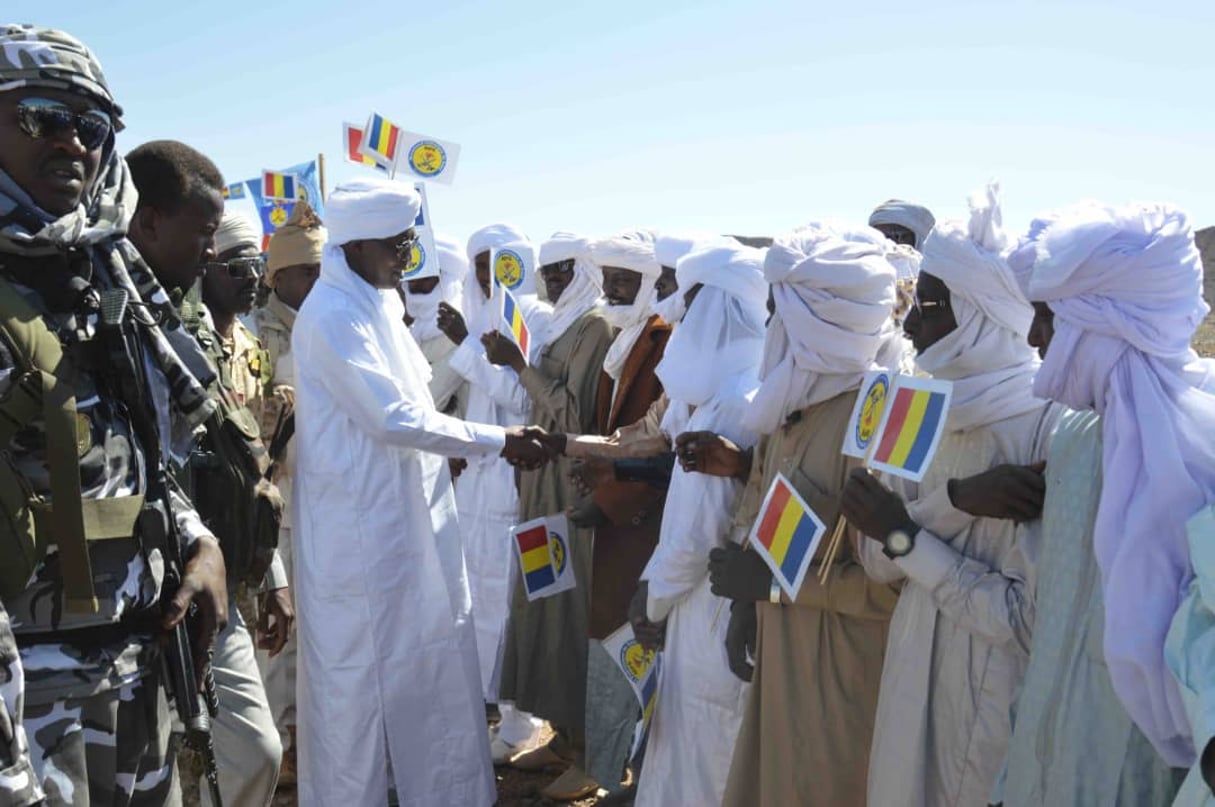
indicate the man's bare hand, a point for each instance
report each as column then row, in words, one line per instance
column 712, row 454
column 872, row 508
column 204, row 585
column 503, row 352
column 651, row 635
column 1013, row 492
column 275, row 618
column 522, row 450
column 451, row 324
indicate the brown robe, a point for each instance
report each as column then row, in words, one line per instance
column 809, row 717
column 544, row 658
column 634, row 509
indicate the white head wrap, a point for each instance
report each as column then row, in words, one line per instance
column 584, row 291
column 833, row 303
column 668, row 249
column 905, row 214
column 236, row 230
column 424, row 308
column 723, row 332
column 711, row 363
column 369, row 208
column 634, row 251
column 477, row 309
column 1125, row 285
column 987, row 356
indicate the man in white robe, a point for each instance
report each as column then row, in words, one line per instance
column 1123, row 288
column 959, row 638
column 709, row 370
column 487, row 498
column 388, row 658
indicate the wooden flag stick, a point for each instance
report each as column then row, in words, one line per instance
column 833, row 548
column 320, row 163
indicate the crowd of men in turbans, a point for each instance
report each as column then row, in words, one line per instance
column 1032, row 623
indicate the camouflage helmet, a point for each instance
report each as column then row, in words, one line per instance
column 32, row 56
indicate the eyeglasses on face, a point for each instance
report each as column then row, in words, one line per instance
column 239, row 268
column 403, row 247
column 42, row 118
column 929, row 307
column 557, row 269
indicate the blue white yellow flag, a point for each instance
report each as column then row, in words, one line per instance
column 275, row 212
column 867, row 413
column 542, row 546
column 428, row 158
column 642, row 669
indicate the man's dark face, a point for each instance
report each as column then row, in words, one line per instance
column 666, row 285
column 293, row 283
column 1042, row 329
column 57, row 170
column 176, row 243
column 422, row 286
column 481, row 269
column 931, row 317
column 897, row 233
column 229, row 285
column 382, row 261
column 620, row 286
column 557, row 278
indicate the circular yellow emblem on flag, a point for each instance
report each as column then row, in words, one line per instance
column 417, row 257
column 427, row 158
column 556, row 547
column 508, row 268
column 278, row 216
column 636, row 659
column 871, row 410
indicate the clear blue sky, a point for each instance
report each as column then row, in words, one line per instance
column 748, row 117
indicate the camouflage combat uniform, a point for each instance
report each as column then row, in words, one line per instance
column 83, row 691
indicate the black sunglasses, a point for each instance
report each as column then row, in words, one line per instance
column 239, row 268
column 558, row 268
column 43, row 118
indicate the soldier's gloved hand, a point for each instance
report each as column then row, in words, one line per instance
column 205, row 584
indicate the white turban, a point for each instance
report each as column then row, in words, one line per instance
column 723, row 332
column 668, row 250
column 584, row 291
column 236, row 230
column 987, row 357
column 424, row 308
column 634, row 251
column 833, row 303
column 905, row 214
column 370, row 208
column 476, row 308
column 1125, row 285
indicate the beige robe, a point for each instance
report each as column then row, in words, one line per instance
column 809, row 719
column 544, row 659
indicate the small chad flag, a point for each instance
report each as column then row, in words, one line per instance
column 381, row 139
column 352, row 136
column 235, row 191
column 911, row 426
column 786, row 534
column 278, row 186
column 544, row 556
column 512, row 318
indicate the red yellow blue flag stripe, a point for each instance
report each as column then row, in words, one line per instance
column 534, row 558
column 786, row 534
column 381, row 139
column 512, row 318
column 912, row 426
column 278, row 186
column 544, row 556
column 353, row 138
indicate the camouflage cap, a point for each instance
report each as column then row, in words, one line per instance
column 32, row 56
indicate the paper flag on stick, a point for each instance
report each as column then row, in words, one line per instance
column 911, row 426
column 276, row 185
column 867, row 413
column 352, row 138
column 425, row 259
column 786, row 535
column 381, row 139
column 428, row 158
column 512, row 320
column 543, row 551
column 649, row 700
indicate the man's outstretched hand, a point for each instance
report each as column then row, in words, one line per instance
column 1013, row 492
column 712, row 454
column 503, row 352
column 523, row 448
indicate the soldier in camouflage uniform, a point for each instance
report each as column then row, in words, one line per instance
column 81, row 683
column 177, row 188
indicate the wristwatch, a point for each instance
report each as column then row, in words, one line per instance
column 899, row 542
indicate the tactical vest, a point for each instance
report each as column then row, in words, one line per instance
column 225, row 475
column 41, row 387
